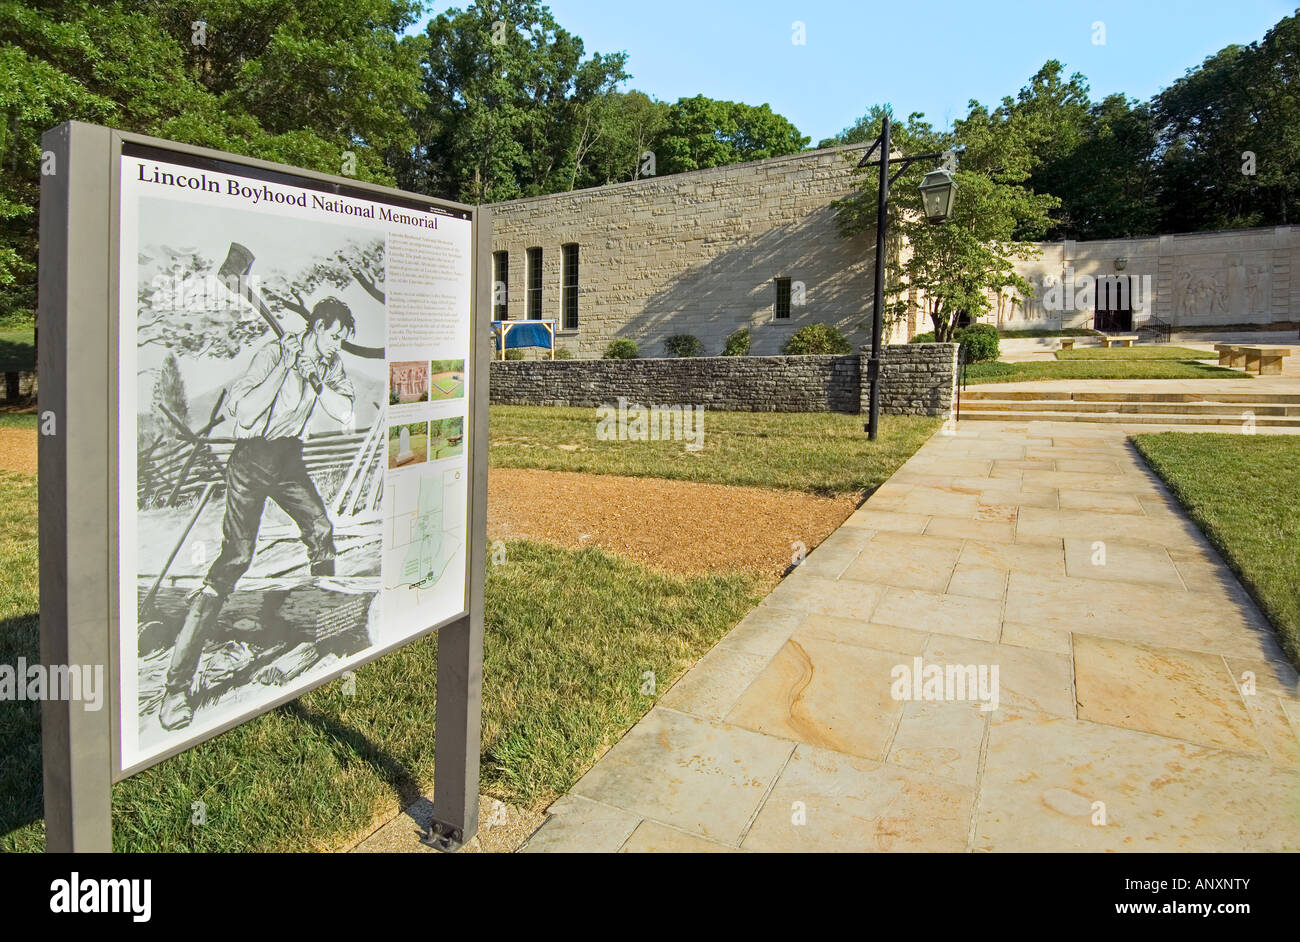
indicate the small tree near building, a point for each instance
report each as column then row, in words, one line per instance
column 958, row 265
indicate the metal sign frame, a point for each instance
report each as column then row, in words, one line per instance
column 78, row 463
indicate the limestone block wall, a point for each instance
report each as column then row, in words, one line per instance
column 698, row 253
column 917, row 379
column 1189, row 280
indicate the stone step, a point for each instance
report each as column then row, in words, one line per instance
column 1178, row 408
column 1067, row 396
column 1224, row 421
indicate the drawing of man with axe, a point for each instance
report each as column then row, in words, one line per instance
column 272, row 405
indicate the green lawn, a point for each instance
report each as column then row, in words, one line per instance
column 1118, row 368
column 819, row 452
column 17, row 350
column 1244, row 493
column 1140, row 352
column 569, row 637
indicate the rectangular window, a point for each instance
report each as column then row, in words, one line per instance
column 501, row 286
column 782, row 298
column 534, row 284
column 570, row 291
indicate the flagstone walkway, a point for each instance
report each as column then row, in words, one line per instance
column 1125, row 650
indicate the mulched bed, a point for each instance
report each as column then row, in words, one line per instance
column 677, row 526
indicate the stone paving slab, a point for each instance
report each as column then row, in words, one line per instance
column 1143, row 702
column 1044, row 777
column 824, row 694
column 701, row 776
column 851, row 804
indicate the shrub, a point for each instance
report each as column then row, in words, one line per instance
column 816, row 338
column 927, row 337
column 684, row 345
column 621, row 349
column 737, row 344
column 514, row 353
column 564, row 353
column 981, row 342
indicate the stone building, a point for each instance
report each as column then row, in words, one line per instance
column 756, row 245
column 1198, row 279
column 702, row 253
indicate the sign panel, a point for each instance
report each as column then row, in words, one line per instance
column 294, row 436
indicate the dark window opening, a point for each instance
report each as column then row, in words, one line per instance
column 782, row 298
column 534, row 284
column 570, row 290
column 501, row 286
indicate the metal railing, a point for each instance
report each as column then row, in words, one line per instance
column 1155, row 330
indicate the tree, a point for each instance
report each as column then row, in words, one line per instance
column 627, row 126
column 956, row 266
column 169, row 390
column 301, row 83
column 508, row 109
column 703, row 132
column 1108, row 185
column 1230, row 139
column 356, row 261
column 913, row 136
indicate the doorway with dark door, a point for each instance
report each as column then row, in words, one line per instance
column 1114, row 305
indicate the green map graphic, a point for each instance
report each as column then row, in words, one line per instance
column 430, row 550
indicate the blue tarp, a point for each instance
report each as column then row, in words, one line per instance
column 523, row 334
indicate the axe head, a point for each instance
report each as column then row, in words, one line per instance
column 238, row 263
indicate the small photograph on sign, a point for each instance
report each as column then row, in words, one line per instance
column 447, row 378
column 408, row 381
column 446, row 437
column 408, row 444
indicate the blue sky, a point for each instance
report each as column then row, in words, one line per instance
column 859, row 53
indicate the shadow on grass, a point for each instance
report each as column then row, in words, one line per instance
column 21, row 799
column 17, row 352
column 405, row 786
column 21, row 791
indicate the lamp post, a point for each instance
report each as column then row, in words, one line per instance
column 937, row 193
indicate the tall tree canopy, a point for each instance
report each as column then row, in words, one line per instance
column 1242, row 101
column 703, row 132
column 306, row 82
column 511, row 106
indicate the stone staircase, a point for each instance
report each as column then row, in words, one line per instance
column 1132, row 408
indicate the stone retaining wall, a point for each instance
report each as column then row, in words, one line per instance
column 917, row 379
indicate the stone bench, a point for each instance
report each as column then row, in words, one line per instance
column 1231, row 354
column 1266, row 361
column 1067, row 343
column 1119, row 340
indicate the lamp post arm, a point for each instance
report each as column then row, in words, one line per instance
column 907, row 163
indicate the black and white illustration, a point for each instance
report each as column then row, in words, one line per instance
column 260, row 451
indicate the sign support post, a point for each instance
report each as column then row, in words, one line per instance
column 460, row 645
column 76, row 428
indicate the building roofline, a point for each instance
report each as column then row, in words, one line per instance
column 1181, row 235
column 647, row 181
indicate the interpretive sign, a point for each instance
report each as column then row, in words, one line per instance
column 284, row 499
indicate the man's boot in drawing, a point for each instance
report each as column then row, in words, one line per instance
column 176, row 711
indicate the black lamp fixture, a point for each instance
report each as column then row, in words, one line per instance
column 937, row 193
